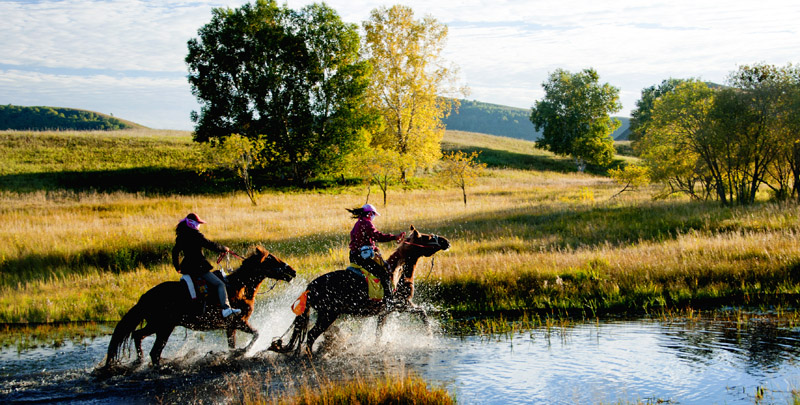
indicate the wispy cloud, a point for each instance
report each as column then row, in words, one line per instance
column 128, row 55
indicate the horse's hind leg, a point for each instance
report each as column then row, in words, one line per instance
column 161, row 341
column 138, row 335
column 324, row 320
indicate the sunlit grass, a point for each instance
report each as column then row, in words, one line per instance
column 527, row 240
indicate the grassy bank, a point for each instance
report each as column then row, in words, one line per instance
column 535, row 236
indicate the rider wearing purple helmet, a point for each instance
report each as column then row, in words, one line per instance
column 363, row 249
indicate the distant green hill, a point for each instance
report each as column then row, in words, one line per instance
column 56, row 118
column 513, row 122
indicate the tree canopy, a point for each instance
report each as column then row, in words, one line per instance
column 293, row 79
column 409, row 75
column 727, row 142
column 574, row 117
column 670, row 146
column 641, row 116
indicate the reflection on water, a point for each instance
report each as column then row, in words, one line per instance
column 608, row 361
column 630, row 361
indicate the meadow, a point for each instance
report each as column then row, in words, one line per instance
column 88, row 224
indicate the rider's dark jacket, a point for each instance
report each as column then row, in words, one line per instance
column 191, row 242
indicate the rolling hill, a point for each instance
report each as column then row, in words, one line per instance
column 513, row 122
column 13, row 117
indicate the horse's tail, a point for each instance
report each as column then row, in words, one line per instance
column 124, row 330
column 299, row 327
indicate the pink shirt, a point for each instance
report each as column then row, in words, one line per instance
column 364, row 233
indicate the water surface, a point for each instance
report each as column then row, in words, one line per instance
column 687, row 362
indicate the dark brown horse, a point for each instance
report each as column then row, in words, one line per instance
column 345, row 292
column 169, row 304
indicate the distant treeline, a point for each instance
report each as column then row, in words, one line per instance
column 513, row 122
column 55, row 118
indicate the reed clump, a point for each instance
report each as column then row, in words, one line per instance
column 531, row 238
column 408, row 389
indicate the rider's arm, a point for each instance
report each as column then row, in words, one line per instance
column 176, row 258
column 377, row 235
column 213, row 246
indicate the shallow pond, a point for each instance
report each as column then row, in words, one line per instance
column 677, row 361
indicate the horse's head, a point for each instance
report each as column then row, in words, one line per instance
column 268, row 265
column 425, row 244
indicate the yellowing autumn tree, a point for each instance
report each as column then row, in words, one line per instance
column 377, row 166
column 408, row 81
column 461, row 169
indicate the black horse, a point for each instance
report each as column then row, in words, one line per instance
column 169, row 304
column 345, row 292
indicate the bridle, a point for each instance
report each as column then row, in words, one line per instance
column 432, row 244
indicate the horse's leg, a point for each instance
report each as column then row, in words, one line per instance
column 324, row 320
column 161, row 341
column 249, row 329
column 231, row 332
column 423, row 315
column 381, row 322
column 243, row 326
column 138, row 335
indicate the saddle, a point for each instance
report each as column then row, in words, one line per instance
column 374, row 287
column 198, row 290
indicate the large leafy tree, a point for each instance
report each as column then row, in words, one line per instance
column 408, row 79
column 293, row 79
column 574, row 117
column 641, row 116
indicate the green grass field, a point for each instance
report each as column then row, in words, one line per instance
column 88, row 218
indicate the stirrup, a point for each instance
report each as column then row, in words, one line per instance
column 230, row 311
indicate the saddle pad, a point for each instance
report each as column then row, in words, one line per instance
column 374, row 287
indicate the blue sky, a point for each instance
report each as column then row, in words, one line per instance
column 126, row 57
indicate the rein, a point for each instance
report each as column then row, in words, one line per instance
column 431, row 269
column 227, row 256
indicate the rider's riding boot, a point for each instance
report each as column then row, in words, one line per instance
column 230, row 311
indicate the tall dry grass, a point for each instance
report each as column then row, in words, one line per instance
column 528, row 239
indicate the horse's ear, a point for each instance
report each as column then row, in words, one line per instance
column 414, row 231
column 263, row 252
column 412, row 228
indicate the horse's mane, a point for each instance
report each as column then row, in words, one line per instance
column 238, row 276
